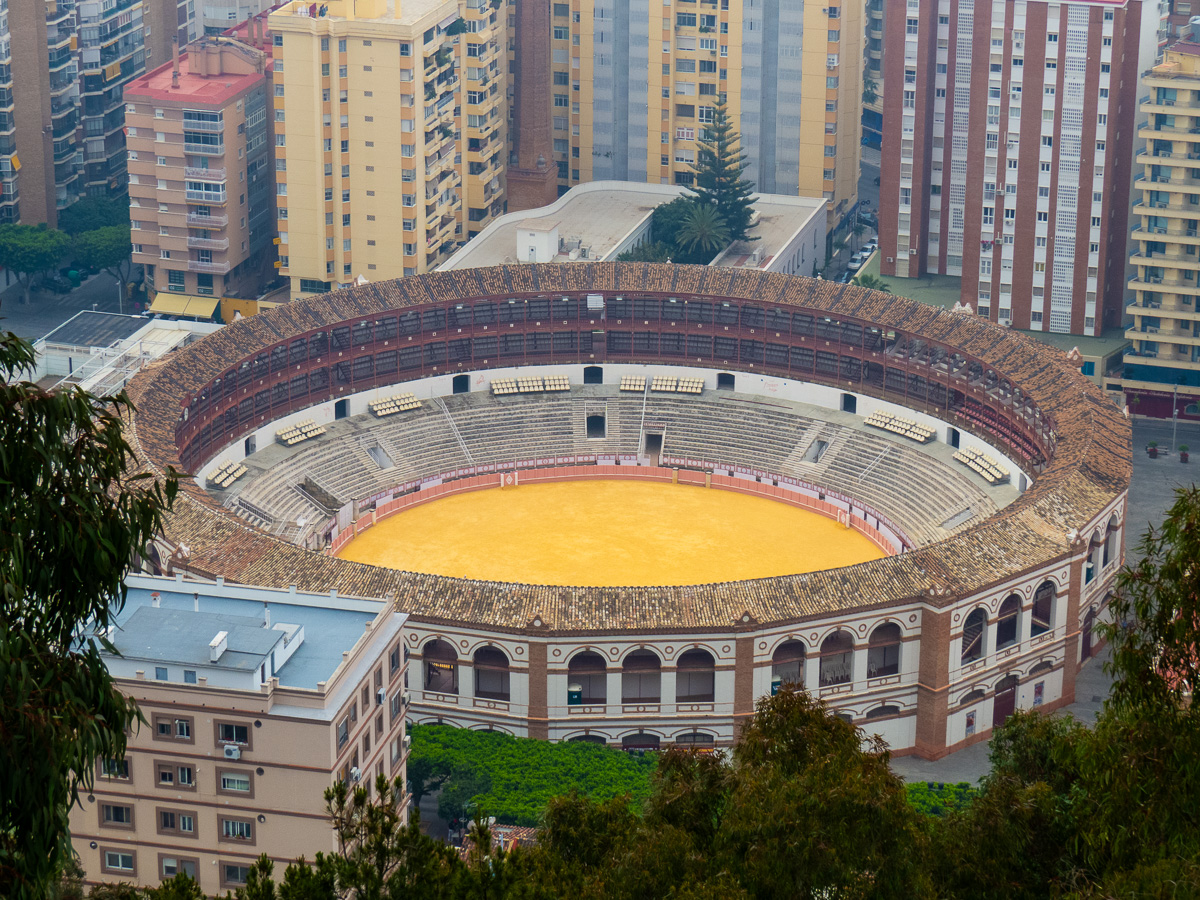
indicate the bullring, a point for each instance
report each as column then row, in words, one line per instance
column 964, row 620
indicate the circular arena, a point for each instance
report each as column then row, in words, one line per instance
column 986, row 476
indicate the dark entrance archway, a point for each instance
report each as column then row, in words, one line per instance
column 595, row 426
column 1006, row 700
column 593, row 375
column 462, row 384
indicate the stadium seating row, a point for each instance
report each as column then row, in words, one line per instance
column 226, row 473
column 389, row 406
column 983, row 465
column 902, row 426
column 303, row 431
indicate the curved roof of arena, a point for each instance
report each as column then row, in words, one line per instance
column 1089, row 469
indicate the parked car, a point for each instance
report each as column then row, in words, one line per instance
column 57, row 284
column 844, row 276
column 872, row 245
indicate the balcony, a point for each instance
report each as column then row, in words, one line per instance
column 199, row 243
column 206, row 197
column 201, row 220
column 203, row 125
column 204, row 174
column 213, row 268
column 204, row 149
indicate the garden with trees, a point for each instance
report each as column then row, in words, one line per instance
column 803, row 806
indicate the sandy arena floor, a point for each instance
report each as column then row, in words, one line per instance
column 609, row 532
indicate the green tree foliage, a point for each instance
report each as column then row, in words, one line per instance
column 867, row 280
column 703, row 231
column 514, row 779
column 109, row 248
column 667, row 225
column 938, row 799
column 74, row 517
column 719, row 165
column 91, row 213
column 30, row 250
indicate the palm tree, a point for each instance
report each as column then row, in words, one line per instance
column 871, row 283
column 858, row 230
column 703, row 230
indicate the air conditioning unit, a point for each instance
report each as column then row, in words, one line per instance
column 407, row 741
column 405, row 697
column 233, row 751
column 380, row 697
column 356, row 774
column 891, row 259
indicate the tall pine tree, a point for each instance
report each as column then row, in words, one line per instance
column 720, row 163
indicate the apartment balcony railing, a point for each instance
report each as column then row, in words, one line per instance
column 199, row 243
column 200, row 220
column 202, row 125
column 206, row 196
column 204, row 149
column 204, row 174
column 215, row 268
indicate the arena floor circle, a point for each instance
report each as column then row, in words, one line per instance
column 609, row 532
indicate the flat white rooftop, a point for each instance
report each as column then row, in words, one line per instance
column 602, row 216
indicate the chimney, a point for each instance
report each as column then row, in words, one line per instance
column 155, row 599
column 218, row 645
column 196, row 602
column 266, row 614
column 175, row 62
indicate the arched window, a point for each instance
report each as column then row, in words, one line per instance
column 695, row 677
column 589, row 739
column 441, row 667
column 641, row 678
column 640, row 741
column 883, row 712
column 883, row 651
column 1110, row 541
column 586, row 678
column 491, row 674
column 837, row 659
column 974, row 633
column 1008, row 622
column 1042, row 619
column 1041, row 668
column 787, row 665
column 973, row 697
column 1089, row 626
column 696, row 739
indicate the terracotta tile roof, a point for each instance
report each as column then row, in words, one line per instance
column 1088, row 470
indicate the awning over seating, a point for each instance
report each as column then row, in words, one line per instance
column 193, row 307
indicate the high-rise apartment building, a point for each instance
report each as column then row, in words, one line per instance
column 111, row 54
column 1007, row 147
column 873, row 75
column 10, row 163
column 201, row 191
column 255, row 701
column 1165, row 354
column 44, row 101
column 166, row 23
column 634, row 84
column 390, row 135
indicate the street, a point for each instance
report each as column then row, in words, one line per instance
column 46, row 311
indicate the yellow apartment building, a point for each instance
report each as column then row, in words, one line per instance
column 390, row 135
column 1162, row 367
column 634, row 84
column 200, row 194
column 255, row 701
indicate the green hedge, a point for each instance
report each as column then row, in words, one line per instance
column 936, row 799
column 519, row 775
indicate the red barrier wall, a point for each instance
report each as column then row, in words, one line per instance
column 584, row 473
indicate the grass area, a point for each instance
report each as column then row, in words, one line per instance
column 936, row 290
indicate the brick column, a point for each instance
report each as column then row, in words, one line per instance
column 743, row 682
column 538, row 722
column 1071, row 625
column 533, row 178
column 933, row 681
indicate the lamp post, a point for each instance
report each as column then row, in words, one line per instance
column 120, row 296
column 1174, row 415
